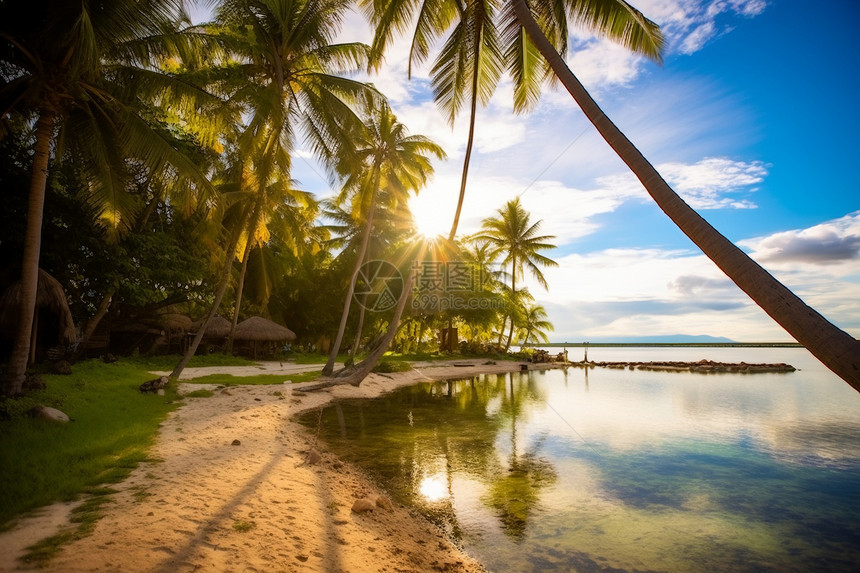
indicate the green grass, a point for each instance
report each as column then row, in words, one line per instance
column 258, row 380
column 113, row 427
column 200, row 394
column 83, row 516
column 314, row 358
column 169, row 361
column 243, row 526
column 391, row 365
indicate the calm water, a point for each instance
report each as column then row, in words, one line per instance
column 617, row 470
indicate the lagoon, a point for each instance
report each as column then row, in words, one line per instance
column 619, row 470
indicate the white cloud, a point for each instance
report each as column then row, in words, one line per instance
column 829, row 243
column 706, row 184
column 688, row 25
column 600, row 64
column 631, row 291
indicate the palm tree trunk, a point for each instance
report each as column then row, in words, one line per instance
column 239, row 291
column 365, row 240
column 356, row 374
column 835, row 348
column 472, row 113
column 30, row 258
column 357, row 342
column 219, row 296
column 514, row 296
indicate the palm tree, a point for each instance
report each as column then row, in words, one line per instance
column 283, row 74
column 387, row 165
column 835, row 348
column 85, row 75
column 513, row 234
column 281, row 208
column 534, row 325
column 475, row 53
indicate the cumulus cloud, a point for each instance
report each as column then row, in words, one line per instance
column 689, row 25
column 711, row 183
column 827, row 243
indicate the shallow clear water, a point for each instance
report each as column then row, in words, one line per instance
column 618, row 470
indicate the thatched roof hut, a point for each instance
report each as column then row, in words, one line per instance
column 218, row 327
column 175, row 324
column 259, row 329
column 50, row 296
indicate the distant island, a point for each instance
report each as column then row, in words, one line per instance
column 679, row 340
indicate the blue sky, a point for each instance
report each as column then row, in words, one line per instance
column 752, row 118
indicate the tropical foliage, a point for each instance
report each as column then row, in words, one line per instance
column 159, row 156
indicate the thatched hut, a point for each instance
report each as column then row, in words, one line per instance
column 216, row 333
column 175, row 326
column 258, row 333
column 53, row 325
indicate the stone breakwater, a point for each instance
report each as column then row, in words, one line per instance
column 703, row 366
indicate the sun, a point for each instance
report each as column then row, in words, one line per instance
column 431, row 219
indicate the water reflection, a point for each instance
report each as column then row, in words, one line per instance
column 619, row 470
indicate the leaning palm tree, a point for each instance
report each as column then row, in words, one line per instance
column 85, row 76
column 287, row 75
column 835, row 348
column 477, row 51
column 388, row 164
column 512, row 234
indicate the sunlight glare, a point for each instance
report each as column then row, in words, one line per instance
column 431, row 219
column 433, row 488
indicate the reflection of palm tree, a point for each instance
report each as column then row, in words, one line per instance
column 515, row 494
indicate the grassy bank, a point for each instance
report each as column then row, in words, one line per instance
column 113, row 425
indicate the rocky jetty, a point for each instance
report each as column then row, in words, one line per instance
column 703, row 366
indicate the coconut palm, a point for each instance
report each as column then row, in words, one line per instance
column 835, row 348
column 281, row 208
column 85, row 75
column 479, row 48
column 534, row 325
column 283, row 72
column 512, row 234
column 388, row 164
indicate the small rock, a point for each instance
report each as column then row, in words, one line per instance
column 51, row 414
column 258, row 399
column 226, row 392
column 313, row 457
column 151, row 513
column 362, row 505
column 160, row 392
column 236, row 442
column 154, row 385
column 384, row 503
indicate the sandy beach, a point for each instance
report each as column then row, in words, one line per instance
column 237, row 486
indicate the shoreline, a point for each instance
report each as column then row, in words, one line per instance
column 236, row 484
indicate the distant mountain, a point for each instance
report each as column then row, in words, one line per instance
column 665, row 339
